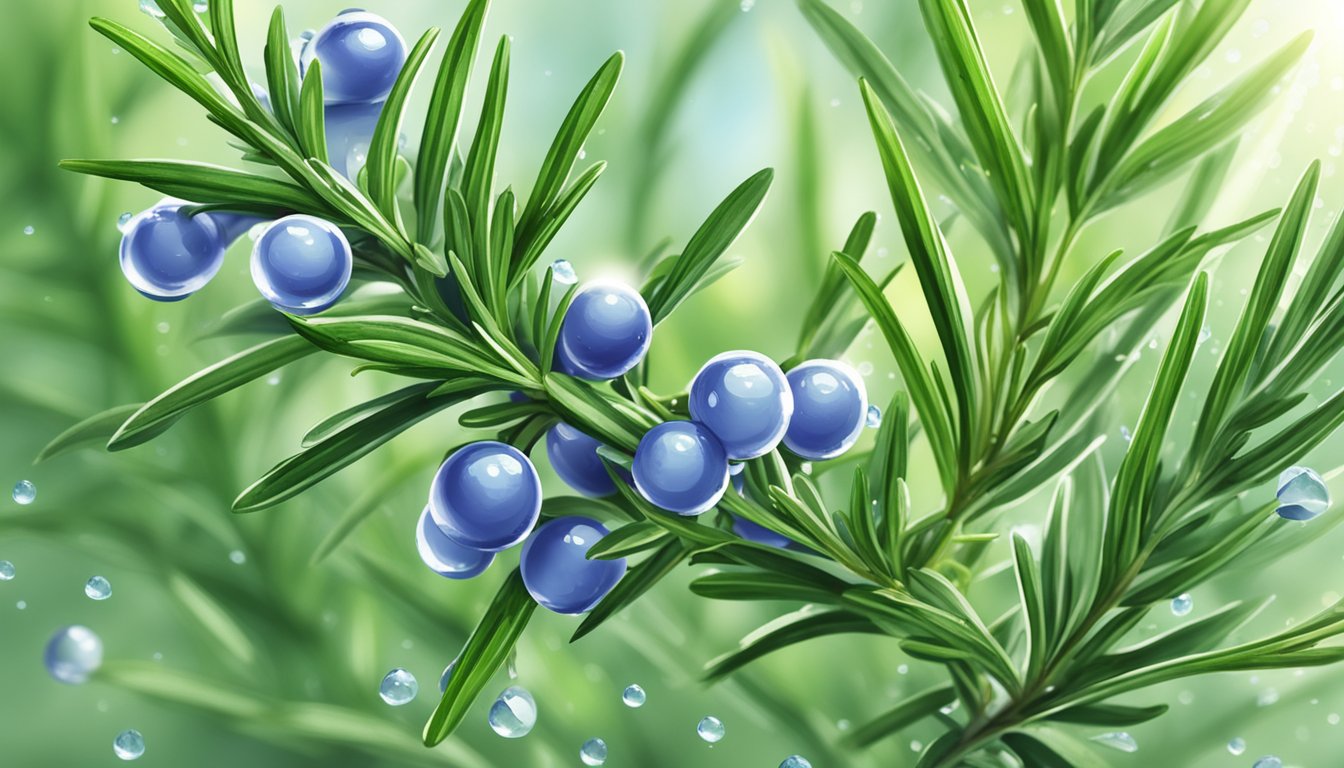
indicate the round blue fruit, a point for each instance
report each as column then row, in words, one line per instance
column 574, row 458
column 445, row 556
column 830, row 407
column 557, row 571
column 361, row 55
column 350, row 130
column 167, row 255
column 606, row 331
column 302, row 264
column 681, row 467
column 745, row 400
column 486, row 496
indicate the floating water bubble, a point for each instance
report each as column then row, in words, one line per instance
column 563, row 272
column 28, row 230
column 594, row 752
column 916, row 745
column 22, row 604
column 874, row 417
column 710, row 729
column 1302, row 494
column 73, row 653
column 746, row 5
column 237, row 557
column 398, row 687
column 1268, row 761
column 1182, row 604
column 129, row 745
column 1125, row 434
column 633, row 696
column 514, row 713
column 1205, row 334
column 25, row 492
column 795, row 761
column 1118, row 740
column 6, row 570
column 98, row 588
column 1236, row 746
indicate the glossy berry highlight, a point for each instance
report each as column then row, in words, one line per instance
column 557, row 571
column 606, row 331
column 167, row 255
column 302, row 264
column 681, row 467
column 830, row 407
column 574, row 458
column 361, row 55
column 744, row 399
column 444, row 556
column 486, row 496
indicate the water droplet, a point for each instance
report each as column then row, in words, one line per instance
column 237, row 557
column 98, row 588
column 1236, row 746
column 842, row 725
column 795, row 761
column 865, row 368
column 6, row 570
column 129, row 745
column 1267, row 698
column 73, row 653
column 115, row 119
column 563, row 272
column 447, row 673
column 151, row 9
column 22, row 604
column 710, row 729
column 28, row 230
column 583, row 153
column 514, row 713
column 916, row 745
column 123, row 221
column 746, row 5
column 874, row 418
column 25, row 492
column 903, row 669
column 594, row 752
column 1182, row 604
column 1268, row 761
column 273, row 380
column 163, row 327
column 1125, row 434
column 201, row 6
column 633, row 696
column 1302, row 494
column 1118, row 740
column 399, row 687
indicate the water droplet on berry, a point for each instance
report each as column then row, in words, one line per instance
column 98, row 588
column 563, row 272
column 633, row 696
column 795, row 761
column 1236, row 746
column 72, row 654
column 6, row 570
column 710, row 729
column 1182, row 604
column 25, row 492
column 129, row 745
column 594, row 752
column 1118, row 740
column 514, row 713
column 399, row 687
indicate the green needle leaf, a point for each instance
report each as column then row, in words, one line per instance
column 382, row 159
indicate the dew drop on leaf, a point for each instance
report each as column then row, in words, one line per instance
column 1182, row 604
column 25, row 492
column 874, row 417
column 1120, row 740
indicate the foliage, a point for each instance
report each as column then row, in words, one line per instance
column 472, row 317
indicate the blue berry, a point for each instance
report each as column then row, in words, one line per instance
column 557, row 572
column 486, row 496
column 350, row 130
column 445, row 556
column 574, row 458
column 681, row 467
column 830, row 407
column 361, row 55
column 745, row 400
column 606, row 331
column 167, row 255
column 301, row 264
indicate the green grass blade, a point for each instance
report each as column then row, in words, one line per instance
column 312, row 122
column 382, row 162
column 282, row 74
column 201, row 182
column 96, row 429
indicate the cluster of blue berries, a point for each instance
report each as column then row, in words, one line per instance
column 301, row 264
column 486, row 497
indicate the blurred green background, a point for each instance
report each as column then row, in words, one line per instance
column 275, row 660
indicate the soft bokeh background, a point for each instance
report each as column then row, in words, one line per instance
column 275, row 661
